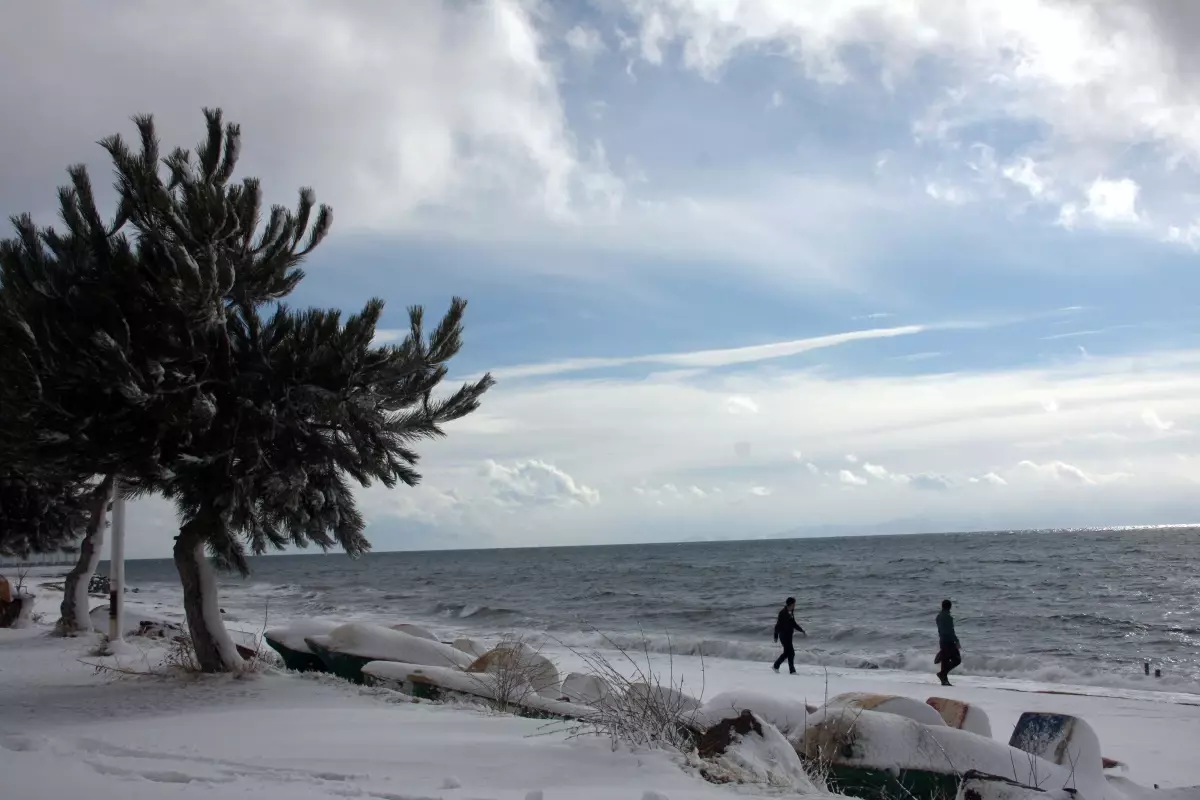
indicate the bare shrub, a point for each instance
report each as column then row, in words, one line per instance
column 513, row 672
column 645, row 708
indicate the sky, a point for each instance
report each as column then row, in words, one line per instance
column 742, row 269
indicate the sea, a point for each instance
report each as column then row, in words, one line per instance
column 1076, row 607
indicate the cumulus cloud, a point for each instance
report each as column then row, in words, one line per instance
column 1098, row 78
column 424, row 104
column 920, row 480
column 536, row 483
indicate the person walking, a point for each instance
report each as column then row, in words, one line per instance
column 785, row 626
column 948, row 647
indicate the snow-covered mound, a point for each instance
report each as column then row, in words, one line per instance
column 589, row 690
column 889, row 704
column 786, row 714
column 415, row 630
column 292, row 636
column 384, row 644
column 523, row 662
column 747, row 749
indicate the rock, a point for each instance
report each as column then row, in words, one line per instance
column 717, row 739
column 15, row 613
column 747, row 749
column 537, row 670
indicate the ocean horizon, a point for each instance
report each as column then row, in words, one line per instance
column 1085, row 606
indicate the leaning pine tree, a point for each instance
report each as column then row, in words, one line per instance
column 256, row 425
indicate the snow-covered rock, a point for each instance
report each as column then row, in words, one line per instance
column 962, row 715
column 415, row 630
column 747, row 749
column 292, row 635
column 384, row 644
column 889, row 704
column 531, row 667
column 786, row 714
column 590, row 690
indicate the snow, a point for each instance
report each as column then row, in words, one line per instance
column 905, row 707
column 66, row 731
column 524, row 662
column 292, row 636
column 469, row 646
column 414, row 630
column 211, row 609
column 789, row 716
column 385, row 644
column 768, row 759
column 486, row 685
column 579, row 687
column 963, row 716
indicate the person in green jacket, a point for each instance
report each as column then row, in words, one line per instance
column 948, row 647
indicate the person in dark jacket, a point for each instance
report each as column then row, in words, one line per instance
column 785, row 626
column 948, row 648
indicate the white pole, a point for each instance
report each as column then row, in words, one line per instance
column 116, row 569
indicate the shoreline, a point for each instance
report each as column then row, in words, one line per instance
column 1147, row 730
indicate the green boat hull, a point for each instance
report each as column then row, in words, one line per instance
column 296, row 660
column 882, row 784
column 343, row 665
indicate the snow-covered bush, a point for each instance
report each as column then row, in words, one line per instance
column 645, row 707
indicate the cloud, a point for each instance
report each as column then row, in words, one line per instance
column 586, row 42
column 536, row 483
column 1068, row 473
column 1108, row 202
column 711, row 358
column 850, row 479
column 739, row 404
column 922, row 480
column 990, row 478
column 776, row 99
column 1084, row 82
column 1155, row 422
column 425, row 105
column 760, row 491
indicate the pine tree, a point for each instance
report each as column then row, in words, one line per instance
column 151, row 359
column 39, row 515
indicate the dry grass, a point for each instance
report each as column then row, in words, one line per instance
column 645, row 708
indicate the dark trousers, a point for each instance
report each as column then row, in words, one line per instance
column 789, row 655
column 949, row 658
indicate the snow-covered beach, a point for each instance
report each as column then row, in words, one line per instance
column 66, row 730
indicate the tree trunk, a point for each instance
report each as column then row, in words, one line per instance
column 215, row 651
column 73, row 613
